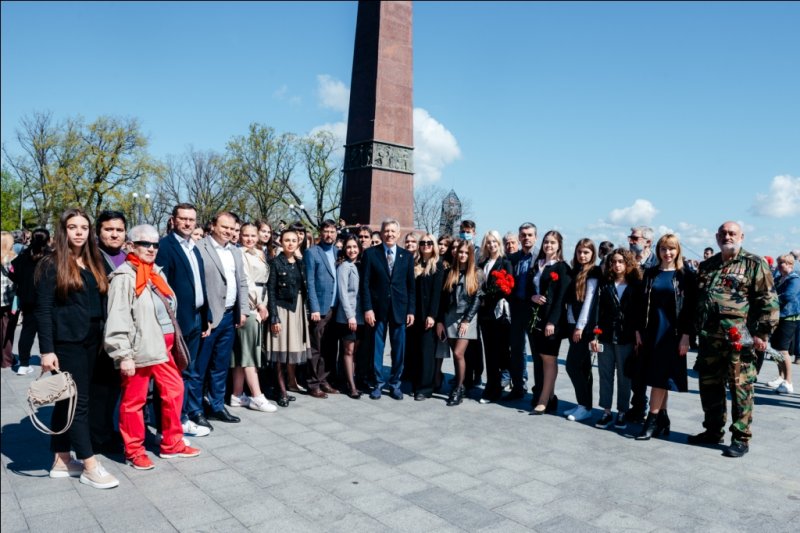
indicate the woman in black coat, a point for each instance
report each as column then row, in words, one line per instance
column 428, row 279
column 493, row 317
column 71, row 289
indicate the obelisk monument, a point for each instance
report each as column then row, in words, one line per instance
column 378, row 167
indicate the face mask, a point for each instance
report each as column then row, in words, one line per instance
column 465, row 236
column 636, row 248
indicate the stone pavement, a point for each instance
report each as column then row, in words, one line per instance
column 346, row 465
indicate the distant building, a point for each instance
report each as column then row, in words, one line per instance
column 451, row 213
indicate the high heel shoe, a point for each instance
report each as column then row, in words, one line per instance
column 662, row 424
column 539, row 410
column 354, row 393
column 456, row 396
column 650, row 427
column 552, row 405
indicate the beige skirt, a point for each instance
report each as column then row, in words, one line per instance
column 292, row 344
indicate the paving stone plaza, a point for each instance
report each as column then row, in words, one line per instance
column 361, row 465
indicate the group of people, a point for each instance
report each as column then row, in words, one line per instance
column 205, row 317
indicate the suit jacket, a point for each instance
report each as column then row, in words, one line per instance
column 555, row 290
column 347, row 285
column 217, row 283
column 61, row 321
column 320, row 279
column 178, row 271
column 391, row 297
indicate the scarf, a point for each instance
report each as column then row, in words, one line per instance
column 145, row 273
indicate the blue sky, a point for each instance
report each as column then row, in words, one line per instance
column 585, row 117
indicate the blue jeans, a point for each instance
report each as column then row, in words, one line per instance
column 398, row 336
column 215, row 359
column 189, row 374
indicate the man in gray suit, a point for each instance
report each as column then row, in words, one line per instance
column 320, row 263
column 226, row 286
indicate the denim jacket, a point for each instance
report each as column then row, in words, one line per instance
column 788, row 288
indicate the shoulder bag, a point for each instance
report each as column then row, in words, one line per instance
column 50, row 388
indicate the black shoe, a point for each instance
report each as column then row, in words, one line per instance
column 419, row 397
column 552, row 405
column 736, row 449
column 282, row 401
column 224, row 416
column 662, row 424
column 706, row 437
column 635, row 416
column 514, row 395
column 201, row 420
column 649, row 427
column 456, row 396
column 605, row 421
column 621, row 422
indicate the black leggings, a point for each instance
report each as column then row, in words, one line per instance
column 77, row 358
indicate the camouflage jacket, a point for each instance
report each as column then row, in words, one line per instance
column 737, row 292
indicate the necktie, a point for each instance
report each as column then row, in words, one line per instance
column 390, row 260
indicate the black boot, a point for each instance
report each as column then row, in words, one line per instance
column 662, row 424
column 649, row 428
column 456, row 396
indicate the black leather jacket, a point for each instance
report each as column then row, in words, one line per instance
column 286, row 282
column 465, row 305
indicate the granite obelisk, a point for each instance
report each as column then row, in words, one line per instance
column 378, row 167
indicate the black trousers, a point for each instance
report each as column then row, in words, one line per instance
column 520, row 316
column 497, row 349
column 579, row 370
column 27, row 335
column 421, row 356
column 324, row 350
column 104, row 393
column 77, row 358
column 638, row 386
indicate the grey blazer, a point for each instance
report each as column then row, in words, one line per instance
column 347, row 283
column 217, row 285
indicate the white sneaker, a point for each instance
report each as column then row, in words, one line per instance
column 785, row 388
column 72, row 469
column 571, row 411
column 24, row 370
column 190, row 429
column 98, row 478
column 775, row 383
column 240, row 401
column 260, row 403
column 581, row 413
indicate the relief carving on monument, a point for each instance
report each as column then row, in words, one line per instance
column 374, row 154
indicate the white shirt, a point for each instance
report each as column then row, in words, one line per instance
column 225, row 255
column 488, row 266
column 187, row 245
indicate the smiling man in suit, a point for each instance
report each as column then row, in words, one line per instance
column 320, row 263
column 182, row 264
column 387, row 297
column 226, row 284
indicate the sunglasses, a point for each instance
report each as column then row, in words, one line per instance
column 146, row 244
column 426, row 243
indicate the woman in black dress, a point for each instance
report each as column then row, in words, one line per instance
column 667, row 301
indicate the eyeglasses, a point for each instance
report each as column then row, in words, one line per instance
column 426, row 243
column 146, row 244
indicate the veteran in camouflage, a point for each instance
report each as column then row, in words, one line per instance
column 737, row 309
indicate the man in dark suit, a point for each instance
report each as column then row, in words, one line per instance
column 183, row 266
column 228, row 301
column 520, row 308
column 388, row 300
column 320, row 263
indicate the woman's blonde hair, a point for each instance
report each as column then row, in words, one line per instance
column 432, row 264
column 7, row 245
column 495, row 235
column 670, row 241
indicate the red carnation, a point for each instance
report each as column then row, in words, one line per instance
column 597, row 331
column 737, row 346
column 554, row 276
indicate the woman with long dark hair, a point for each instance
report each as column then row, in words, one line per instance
column 71, row 289
column 580, row 295
column 265, row 241
column 349, row 315
column 549, row 279
column 458, row 311
column 22, row 274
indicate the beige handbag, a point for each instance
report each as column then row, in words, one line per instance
column 49, row 388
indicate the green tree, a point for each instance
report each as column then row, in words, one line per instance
column 323, row 178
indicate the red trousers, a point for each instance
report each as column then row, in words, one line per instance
column 134, row 396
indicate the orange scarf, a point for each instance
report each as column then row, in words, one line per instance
column 145, row 273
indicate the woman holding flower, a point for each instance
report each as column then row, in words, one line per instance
column 493, row 317
column 615, row 315
column 667, row 325
column 458, row 311
column 580, row 295
column 549, row 279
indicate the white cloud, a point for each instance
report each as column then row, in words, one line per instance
column 339, row 131
column 641, row 212
column 333, row 94
column 782, row 200
column 282, row 93
column 435, row 147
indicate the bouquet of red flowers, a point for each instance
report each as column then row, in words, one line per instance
column 500, row 284
column 739, row 338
